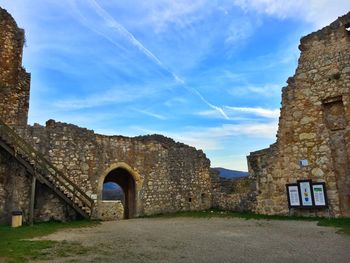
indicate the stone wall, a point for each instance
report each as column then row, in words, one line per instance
column 110, row 210
column 14, row 81
column 48, row 206
column 15, row 187
column 238, row 194
column 14, row 191
column 313, row 126
column 170, row 176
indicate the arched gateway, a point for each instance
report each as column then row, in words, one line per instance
column 128, row 180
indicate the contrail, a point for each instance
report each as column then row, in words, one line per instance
column 218, row 109
column 82, row 19
column 112, row 23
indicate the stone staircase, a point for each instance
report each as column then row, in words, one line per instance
column 44, row 171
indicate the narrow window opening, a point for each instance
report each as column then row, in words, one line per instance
column 190, row 199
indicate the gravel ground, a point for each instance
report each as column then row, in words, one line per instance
column 207, row 240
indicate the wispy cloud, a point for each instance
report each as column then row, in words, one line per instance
column 90, row 120
column 317, row 12
column 112, row 96
column 266, row 113
column 266, row 90
column 240, row 29
column 212, row 138
column 213, row 114
column 152, row 114
column 242, row 114
column 175, row 101
column 216, row 135
column 181, row 13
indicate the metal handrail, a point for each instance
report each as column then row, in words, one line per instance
column 24, row 148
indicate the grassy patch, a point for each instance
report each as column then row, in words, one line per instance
column 15, row 246
column 63, row 249
column 226, row 214
column 342, row 223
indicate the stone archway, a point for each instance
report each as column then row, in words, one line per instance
column 125, row 180
column 128, row 180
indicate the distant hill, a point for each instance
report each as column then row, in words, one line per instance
column 112, row 191
column 231, row 174
column 115, row 194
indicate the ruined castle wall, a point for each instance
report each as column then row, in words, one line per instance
column 14, row 80
column 313, row 126
column 173, row 176
column 14, row 191
column 233, row 194
column 48, row 206
column 237, row 195
column 14, row 103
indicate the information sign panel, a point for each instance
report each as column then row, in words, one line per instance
column 305, row 191
column 320, row 194
column 293, row 195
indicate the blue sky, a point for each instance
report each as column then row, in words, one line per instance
column 207, row 73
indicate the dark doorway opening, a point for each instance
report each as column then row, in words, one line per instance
column 124, row 180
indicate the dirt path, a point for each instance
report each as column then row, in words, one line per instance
column 207, row 240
